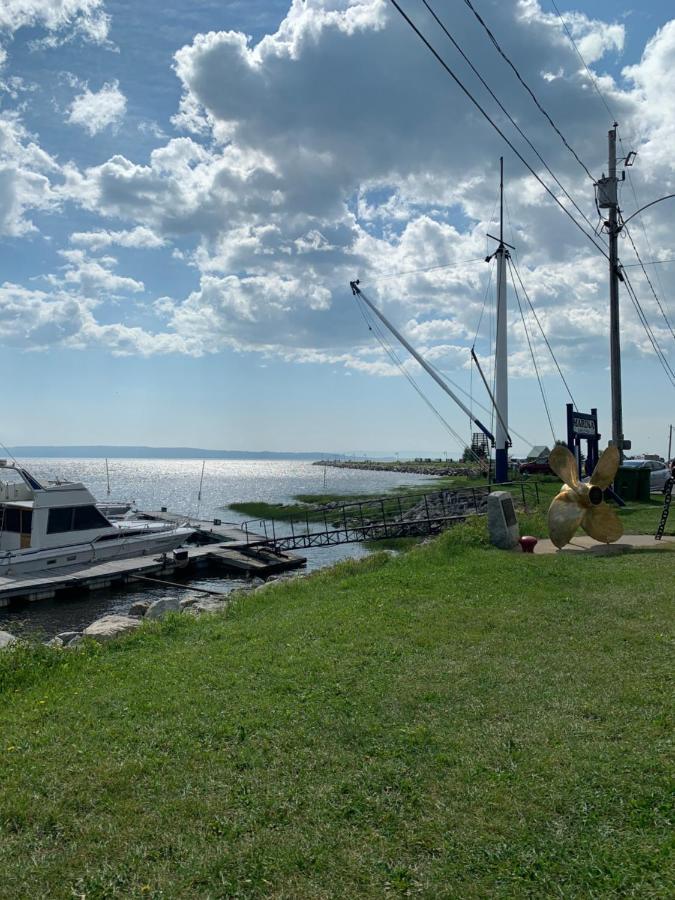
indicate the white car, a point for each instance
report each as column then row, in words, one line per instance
column 659, row 472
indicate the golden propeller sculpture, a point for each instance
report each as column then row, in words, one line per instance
column 581, row 504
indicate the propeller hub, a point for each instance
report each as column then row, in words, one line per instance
column 595, row 495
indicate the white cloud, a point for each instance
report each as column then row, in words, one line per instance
column 93, row 278
column 25, row 172
column 83, row 18
column 139, row 237
column 96, row 110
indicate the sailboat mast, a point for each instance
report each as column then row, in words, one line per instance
column 501, row 348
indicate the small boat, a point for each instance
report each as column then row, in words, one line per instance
column 47, row 527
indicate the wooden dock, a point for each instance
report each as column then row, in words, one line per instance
column 231, row 557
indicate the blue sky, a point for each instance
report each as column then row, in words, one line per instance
column 187, row 188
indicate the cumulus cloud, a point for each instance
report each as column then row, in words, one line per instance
column 96, row 110
column 336, row 147
column 26, row 171
column 64, row 19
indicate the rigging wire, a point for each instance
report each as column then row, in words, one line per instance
column 431, row 268
column 527, row 88
column 507, row 114
column 649, row 262
column 496, row 127
column 543, row 333
column 391, row 353
column 645, row 324
column 534, row 358
column 649, row 282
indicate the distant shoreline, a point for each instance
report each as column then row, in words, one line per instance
column 105, row 451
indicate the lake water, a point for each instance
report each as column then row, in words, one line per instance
column 174, row 483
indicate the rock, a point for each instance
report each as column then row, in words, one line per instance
column 187, row 601
column 109, row 627
column 67, row 636
column 160, row 608
column 206, row 605
column 6, row 639
column 54, row 642
column 73, row 642
column 139, row 608
column 502, row 522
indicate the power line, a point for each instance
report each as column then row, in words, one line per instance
column 507, row 113
column 670, row 375
column 649, row 262
column 528, row 88
column 457, row 81
column 583, row 62
column 649, row 281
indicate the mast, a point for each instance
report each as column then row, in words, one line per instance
column 420, row 359
column 501, row 348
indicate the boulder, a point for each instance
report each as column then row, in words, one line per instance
column 160, row 608
column 6, row 639
column 109, row 627
column 139, row 608
column 206, row 605
column 67, row 636
column 54, row 642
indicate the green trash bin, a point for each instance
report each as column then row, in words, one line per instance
column 644, row 485
column 633, row 484
column 627, row 481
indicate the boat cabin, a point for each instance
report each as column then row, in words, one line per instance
column 38, row 517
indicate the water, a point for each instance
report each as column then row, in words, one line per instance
column 174, row 483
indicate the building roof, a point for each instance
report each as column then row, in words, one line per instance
column 538, row 452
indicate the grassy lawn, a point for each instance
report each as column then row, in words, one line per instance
column 454, row 722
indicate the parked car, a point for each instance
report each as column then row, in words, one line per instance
column 659, row 471
column 535, row 467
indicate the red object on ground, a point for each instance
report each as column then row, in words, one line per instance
column 528, row 543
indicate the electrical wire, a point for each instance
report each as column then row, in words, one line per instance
column 583, row 62
column 507, row 113
column 670, row 375
column 496, row 127
column 650, row 262
column 649, row 282
column 520, row 78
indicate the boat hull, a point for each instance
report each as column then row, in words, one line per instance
column 42, row 562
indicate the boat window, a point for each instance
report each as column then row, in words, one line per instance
column 75, row 518
column 18, row 521
column 87, row 517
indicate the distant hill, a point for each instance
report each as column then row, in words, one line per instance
column 112, row 452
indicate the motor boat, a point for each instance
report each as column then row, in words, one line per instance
column 48, row 527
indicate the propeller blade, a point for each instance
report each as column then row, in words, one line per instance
column 564, row 516
column 605, row 471
column 602, row 523
column 564, row 465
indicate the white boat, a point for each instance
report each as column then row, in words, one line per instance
column 47, row 527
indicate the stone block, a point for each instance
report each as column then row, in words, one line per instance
column 502, row 522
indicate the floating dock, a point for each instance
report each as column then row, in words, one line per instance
column 217, row 550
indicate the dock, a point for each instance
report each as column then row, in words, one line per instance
column 217, row 550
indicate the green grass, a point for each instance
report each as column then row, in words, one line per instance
column 454, row 722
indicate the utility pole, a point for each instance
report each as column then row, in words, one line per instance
column 608, row 198
column 501, row 348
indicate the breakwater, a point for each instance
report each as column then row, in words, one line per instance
column 406, row 467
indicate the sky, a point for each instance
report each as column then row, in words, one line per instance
column 187, row 189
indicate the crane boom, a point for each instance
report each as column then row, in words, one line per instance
column 420, row 359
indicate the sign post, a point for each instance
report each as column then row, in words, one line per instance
column 583, row 427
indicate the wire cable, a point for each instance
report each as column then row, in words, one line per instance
column 543, row 333
column 496, row 127
column 583, row 62
column 649, row 282
column 670, row 375
column 534, row 358
column 528, row 88
column 507, row 113
column 432, row 268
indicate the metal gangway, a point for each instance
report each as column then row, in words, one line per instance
column 372, row 519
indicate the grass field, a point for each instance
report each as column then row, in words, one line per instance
column 452, row 722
